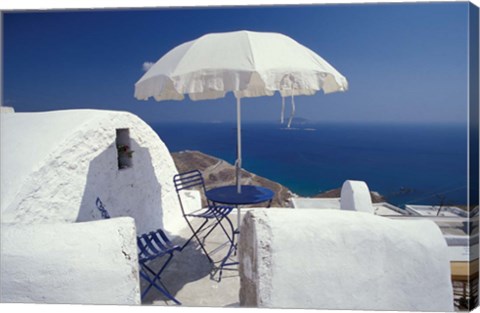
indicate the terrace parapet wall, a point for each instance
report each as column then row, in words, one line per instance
column 331, row 259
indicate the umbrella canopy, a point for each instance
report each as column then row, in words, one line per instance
column 249, row 64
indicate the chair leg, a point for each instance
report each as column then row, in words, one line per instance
column 211, row 229
column 230, row 250
column 151, row 283
column 195, row 232
column 156, row 277
column 219, row 221
column 225, row 231
column 224, row 261
column 231, row 239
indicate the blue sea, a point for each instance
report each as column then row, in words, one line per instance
column 407, row 164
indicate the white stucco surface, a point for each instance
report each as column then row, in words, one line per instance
column 55, row 164
column 4, row 109
column 355, row 196
column 191, row 199
column 334, row 259
column 87, row 263
column 380, row 208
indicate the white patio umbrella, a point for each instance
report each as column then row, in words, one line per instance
column 249, row 64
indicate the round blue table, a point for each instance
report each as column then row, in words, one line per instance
column 249, row 195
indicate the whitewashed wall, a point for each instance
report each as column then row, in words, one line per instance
column 85, row 263
column 4, row 109
column 331, row 259
column 55, row 164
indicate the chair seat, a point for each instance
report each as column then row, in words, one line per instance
column 154, row 244
column 150, row 245
column 212, row 212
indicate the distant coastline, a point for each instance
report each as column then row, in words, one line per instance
column 218, row 172
column 420, row 164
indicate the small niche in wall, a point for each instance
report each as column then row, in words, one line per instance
column 124, row 151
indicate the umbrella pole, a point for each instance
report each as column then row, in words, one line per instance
column 239, row 157
column 239, row 148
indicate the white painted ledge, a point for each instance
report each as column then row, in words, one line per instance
column 78, row 263
column 335, row 259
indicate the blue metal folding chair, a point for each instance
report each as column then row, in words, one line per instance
column 152, row 245
column 213, row 215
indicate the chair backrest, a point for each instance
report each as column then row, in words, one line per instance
column 102, row 209
column 188, row 180
column 191, row 180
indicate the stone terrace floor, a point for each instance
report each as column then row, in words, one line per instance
column 192, row 279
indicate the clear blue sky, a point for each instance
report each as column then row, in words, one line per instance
column 405, row 63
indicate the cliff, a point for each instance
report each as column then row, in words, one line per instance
column 218, row 172
column 335, row 193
